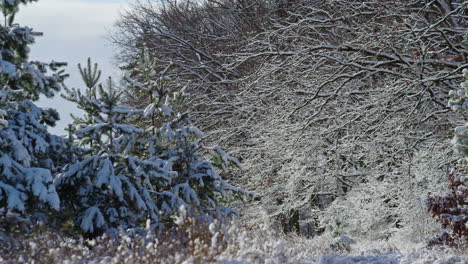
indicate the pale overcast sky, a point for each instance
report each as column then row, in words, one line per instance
column 73, row 31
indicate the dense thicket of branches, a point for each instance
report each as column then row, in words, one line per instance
column 338, row 107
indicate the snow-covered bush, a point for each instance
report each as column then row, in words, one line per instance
column 451, row 209
column 28, row 153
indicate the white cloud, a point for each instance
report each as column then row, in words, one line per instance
column 70, row 19
column 73, row 31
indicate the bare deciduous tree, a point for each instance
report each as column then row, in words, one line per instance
column 322, row 99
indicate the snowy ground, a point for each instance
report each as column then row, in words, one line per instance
column 197, row 242
column 391, row 258
column 69, row 251
column 308, row 252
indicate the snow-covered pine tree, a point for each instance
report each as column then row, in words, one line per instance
column 110, row 186
column 90, row 76
column 459, row 102
column 27, row 150
column 197, row 186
